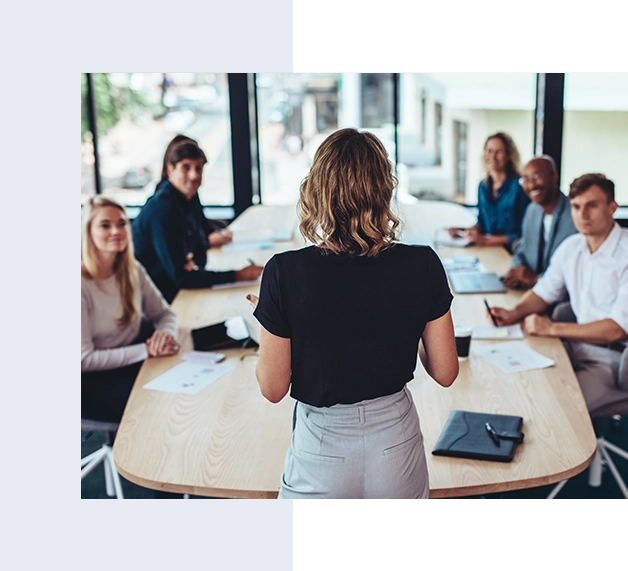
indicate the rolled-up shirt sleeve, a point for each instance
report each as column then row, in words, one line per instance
column 269, row 308
column 551, row 286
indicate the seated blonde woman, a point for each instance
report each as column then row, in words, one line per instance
column 124, row 317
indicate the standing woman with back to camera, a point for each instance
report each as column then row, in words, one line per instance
column 342, row 322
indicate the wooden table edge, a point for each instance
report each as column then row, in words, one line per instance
column 439, row 493
column 497, row 487
column 196, row 490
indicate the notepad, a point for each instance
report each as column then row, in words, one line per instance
column 509, row 332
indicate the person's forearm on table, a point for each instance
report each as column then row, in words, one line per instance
column 600, row 332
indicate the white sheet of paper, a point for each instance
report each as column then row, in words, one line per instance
column 230, row 285
column 205, row 357
column 491, row 332
column 282, row 234
column 263, row 235
column 461, row 264
column 513, row 357
column 188, row 377
column 444, row 239
column 252, row 245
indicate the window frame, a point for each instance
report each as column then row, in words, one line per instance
column 243, row 111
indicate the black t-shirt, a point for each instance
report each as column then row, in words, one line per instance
column 354, row 323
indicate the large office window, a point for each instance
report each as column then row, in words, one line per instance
column 297, row 111
column 137, row 114
column 595, row 134
column 444, row 120
column 435, row 133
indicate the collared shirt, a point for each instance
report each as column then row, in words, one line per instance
column 597, row 283
column 503, row 215
column 528, row 251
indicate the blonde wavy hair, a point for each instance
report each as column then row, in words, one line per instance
column 124, row 265
column 513, row 166
column 344, row 205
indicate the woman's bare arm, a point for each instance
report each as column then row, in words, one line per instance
column 437, row 350
column 274, row 366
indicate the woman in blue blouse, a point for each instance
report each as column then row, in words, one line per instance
column 501, row 200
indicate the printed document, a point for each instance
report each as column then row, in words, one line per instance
column 513, row 357
column 189, row 377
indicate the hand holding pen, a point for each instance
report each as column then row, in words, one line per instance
column 500, row 316
column 250, row 273
column 488, row 308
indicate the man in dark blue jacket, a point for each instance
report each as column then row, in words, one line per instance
column 169, row 235
column 546, row 223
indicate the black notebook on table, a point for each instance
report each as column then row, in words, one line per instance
column 465, row 435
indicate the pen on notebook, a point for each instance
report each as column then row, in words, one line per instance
column 488, row 308
column 250, row 261
column 492, row 433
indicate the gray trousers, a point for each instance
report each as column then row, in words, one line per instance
column 371, row 449
column 598, row 370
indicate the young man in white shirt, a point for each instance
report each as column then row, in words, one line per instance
column 592, row 267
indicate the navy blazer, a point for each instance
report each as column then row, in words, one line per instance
column 527, row 249
column 167, row 228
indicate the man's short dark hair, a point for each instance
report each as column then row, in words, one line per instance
column 586, row 181
column 185, row 150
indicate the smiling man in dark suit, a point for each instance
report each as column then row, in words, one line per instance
column 546, row 223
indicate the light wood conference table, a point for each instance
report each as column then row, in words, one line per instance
column 228, row 441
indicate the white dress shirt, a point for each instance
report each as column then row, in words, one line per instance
column 597, row 283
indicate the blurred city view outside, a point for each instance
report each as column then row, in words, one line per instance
column 137, row 116
column 444, row 119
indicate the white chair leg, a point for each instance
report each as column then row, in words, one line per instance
column 115, row 477
column 595, row 469
column 616, row 449
column 108, row 476
column 614, row 471
column 601, row 457
column 89, row 457
column 113, row 485
column 90, row 462
column 557, row 489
